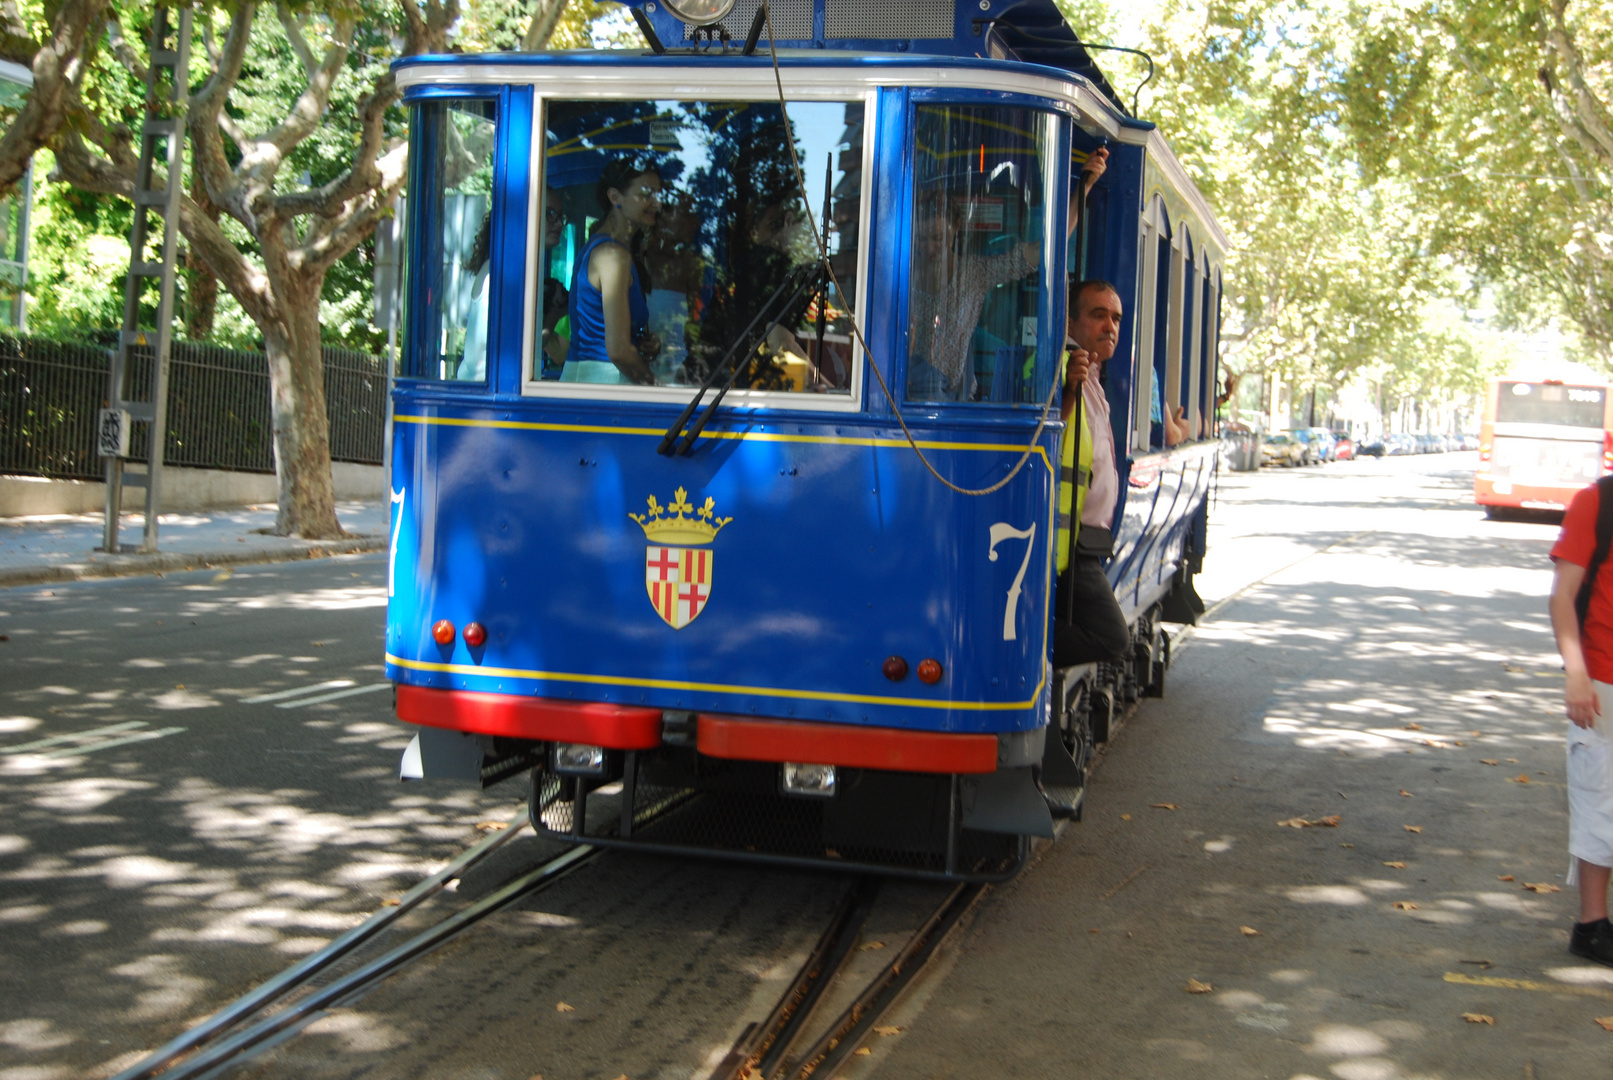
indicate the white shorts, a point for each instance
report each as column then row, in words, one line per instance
column 1590, row 786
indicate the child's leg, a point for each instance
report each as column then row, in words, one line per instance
column 1593, row 881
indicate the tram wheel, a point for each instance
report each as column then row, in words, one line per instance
column 1101, row 714
column 1161, row 661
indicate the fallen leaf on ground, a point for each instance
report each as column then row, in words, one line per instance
column 862, row 1051
column 492, row 826
column 391, row 901
column 1404, row 794
column 535, row 1076
column 1329, row 822
column 1347, row 845
column 1405, row 905
column 1164, row 806
column 1475, row 734
column 1458, row 742
column 1512, row 761
column 1248, row 931
column 1504, row 877
column 1478, row 1018
column 1125, row 817
column 1412, row 828
column 865, row 946
column 1195, row 987
column 179, row 686
column 1414, row 727
column 1094, row 930
column 887, row 1029
column 1395, row 865
column 1540, row 886
column 563, row 1007
column 1521, row 778
column 1606, row 1022
column 1489, row 761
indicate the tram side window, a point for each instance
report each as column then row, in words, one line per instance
column 981, row 237
column 453, row 148
column 677, row 240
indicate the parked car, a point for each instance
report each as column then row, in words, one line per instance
column 1327, row 442
column 1401, row 444
column 1281, row 448
column 1372, row 447
column 1344, row 448
column 1308, row 441
column 1469, row 442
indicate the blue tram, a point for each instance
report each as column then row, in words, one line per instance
column 848, row 253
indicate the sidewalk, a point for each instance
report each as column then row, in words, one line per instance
column 62, row 548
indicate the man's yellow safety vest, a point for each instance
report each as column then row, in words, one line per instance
column 1075, row 476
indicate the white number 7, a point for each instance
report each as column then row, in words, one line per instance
column 1004, row 531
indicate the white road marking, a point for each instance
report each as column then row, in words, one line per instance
column 300, row 702
column 77, row 736
column 281, row 694
column 139, row 736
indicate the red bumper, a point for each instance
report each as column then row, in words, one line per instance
column 623, row 727
column 617, row 727
column 895, row 749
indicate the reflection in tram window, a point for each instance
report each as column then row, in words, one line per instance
column 678, row 223
column 456, row 176
column 980, row 235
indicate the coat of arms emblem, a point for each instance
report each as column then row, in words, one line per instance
column 678, row 567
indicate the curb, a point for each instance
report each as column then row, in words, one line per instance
column 163, row 562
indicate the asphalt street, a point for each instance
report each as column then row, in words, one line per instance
column 198, row 782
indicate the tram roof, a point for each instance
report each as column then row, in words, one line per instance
column 1031, row 32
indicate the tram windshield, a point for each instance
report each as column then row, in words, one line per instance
column 669, row 225
column 981, row 231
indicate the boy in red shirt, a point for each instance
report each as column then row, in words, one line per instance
column 1588, row 661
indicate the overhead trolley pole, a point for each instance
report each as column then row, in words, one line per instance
column 141, row 396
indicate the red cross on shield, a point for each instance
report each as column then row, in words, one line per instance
column 678, row 580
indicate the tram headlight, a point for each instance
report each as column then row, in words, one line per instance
column 699, row 12
column 578, row 759
column 799, row 778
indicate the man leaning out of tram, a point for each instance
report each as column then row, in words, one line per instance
column 1096, row 630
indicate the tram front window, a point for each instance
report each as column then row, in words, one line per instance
column 981, row 233
column 452, row 191
column 670, row 226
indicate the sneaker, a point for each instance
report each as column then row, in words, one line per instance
column 1593, row 941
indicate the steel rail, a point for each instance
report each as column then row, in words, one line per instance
column 853, row 1025
column 299, row 974
column 759, row 1049
column 277, row 1026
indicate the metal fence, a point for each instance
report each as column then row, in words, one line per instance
column 218, row 407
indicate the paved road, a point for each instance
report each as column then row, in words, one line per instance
column 197, row 785
column 1366, row 614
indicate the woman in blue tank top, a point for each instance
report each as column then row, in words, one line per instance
column 609, row 342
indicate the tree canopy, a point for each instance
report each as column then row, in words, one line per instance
column 1371, row 158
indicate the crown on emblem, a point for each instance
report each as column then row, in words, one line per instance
column 672, row 524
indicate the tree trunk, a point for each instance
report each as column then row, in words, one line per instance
column 301, row 426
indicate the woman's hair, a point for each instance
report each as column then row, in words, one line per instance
column 618, row 173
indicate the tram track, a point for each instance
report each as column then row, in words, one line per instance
column 766, row 1050
column 251, row 1024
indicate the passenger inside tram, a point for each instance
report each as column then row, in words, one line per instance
column 975, row 230
column 610, row 338
column 729, row 232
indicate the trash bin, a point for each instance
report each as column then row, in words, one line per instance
column 1242, row 450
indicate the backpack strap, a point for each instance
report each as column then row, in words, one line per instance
column 1604, row 540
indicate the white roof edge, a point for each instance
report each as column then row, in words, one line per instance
column 14, row 72
column 696, row 81
column 1171, row 166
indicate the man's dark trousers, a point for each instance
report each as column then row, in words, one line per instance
column 1097, row 631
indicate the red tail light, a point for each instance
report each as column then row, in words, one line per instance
column 475, row 634
column 442, row 632
column 929, row 672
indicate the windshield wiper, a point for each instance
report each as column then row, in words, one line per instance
column 802, row 277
